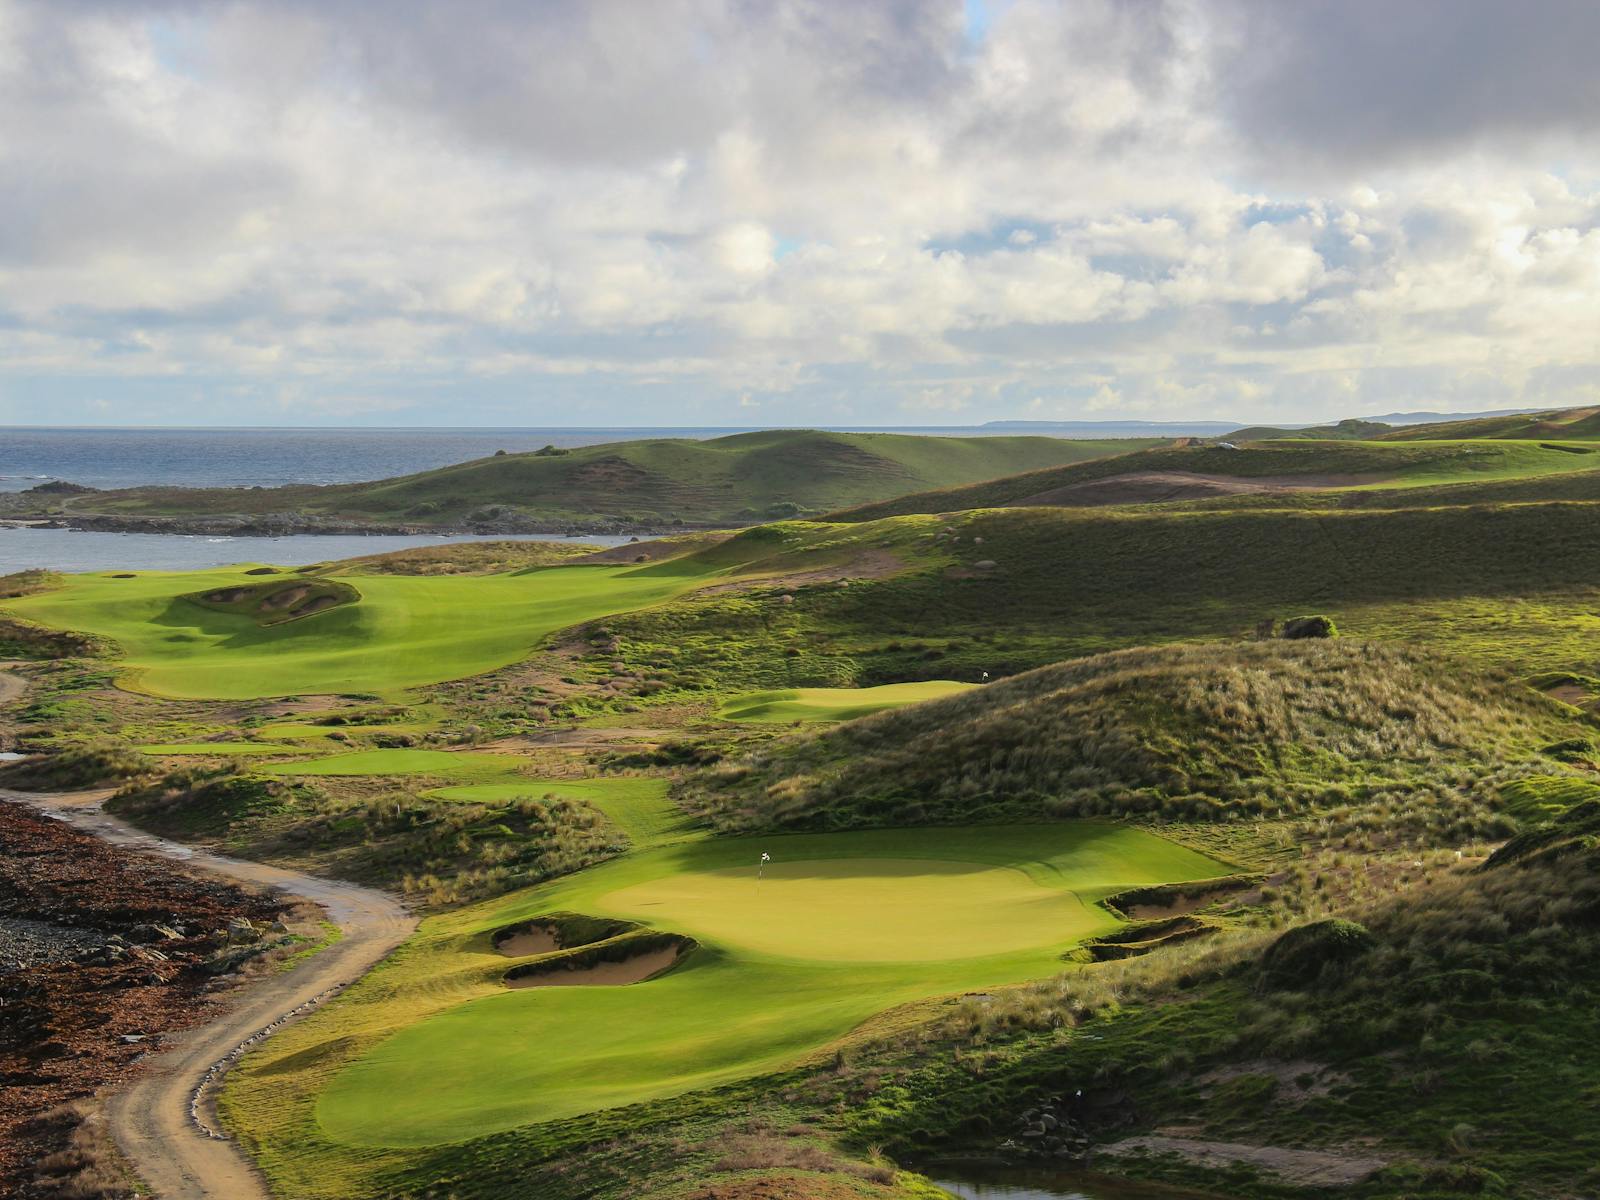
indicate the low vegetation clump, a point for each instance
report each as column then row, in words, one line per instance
column 75, row 767
column 1182, row 733
column 435, row 847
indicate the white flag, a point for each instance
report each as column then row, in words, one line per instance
column 765, row 857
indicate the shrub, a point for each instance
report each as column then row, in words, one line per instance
column 1301, row 955
column 76, row 767
column 1309, row 627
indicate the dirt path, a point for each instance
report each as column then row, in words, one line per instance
column 11, row 686
column 165, row 1121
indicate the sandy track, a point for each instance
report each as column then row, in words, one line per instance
column 11, row 686
column 165, row 1120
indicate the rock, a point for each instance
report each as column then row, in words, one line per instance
column 277, row 927
column 241, row 930
column 987, row 564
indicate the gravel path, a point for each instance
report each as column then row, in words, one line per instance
column 166, row 1121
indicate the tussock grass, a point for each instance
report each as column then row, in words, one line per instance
column 1184, row 733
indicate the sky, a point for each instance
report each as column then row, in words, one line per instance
column 781, row 212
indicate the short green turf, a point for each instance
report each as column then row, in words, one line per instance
column 221, row 749
column 636, row 804
column 833, row 704
column 451, row 764
column 405, row 631
column 850, row 924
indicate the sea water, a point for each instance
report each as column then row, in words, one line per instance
column 75, row 550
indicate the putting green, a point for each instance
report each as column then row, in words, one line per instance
column 833, row 704
column 221, row 749
column 864, row 910
column 405, row 631
column 450, row 764
column 635, row 804
column 844, row 926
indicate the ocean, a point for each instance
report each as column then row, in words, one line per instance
column 79, row 550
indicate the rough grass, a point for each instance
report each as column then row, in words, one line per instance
column 1455, row 1036
column 1184, row 732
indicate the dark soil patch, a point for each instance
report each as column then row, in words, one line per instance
column 76, row 1020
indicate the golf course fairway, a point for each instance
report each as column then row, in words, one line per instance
column 433, row 1048
column 404, row 631
column 833, row 704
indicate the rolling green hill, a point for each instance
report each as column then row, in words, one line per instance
column 1186, row 732
column 1574, row 424
column 1352, row 429
column 1186, row 473
column 741, row 479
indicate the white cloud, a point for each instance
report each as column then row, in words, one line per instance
column 833, row 212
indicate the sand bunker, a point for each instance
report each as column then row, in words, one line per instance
column 524, row 943
column 287, row 598
column 601, row 974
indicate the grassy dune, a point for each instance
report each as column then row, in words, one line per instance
column 843, row 926
column 1188, row 732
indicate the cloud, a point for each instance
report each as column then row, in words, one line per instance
column 546, row 212
column 1371, row 83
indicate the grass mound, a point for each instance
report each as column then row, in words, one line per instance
column 280, row 600
column 1189, row 732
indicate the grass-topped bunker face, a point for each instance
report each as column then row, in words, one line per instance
column 834, row 704
column 836, row 928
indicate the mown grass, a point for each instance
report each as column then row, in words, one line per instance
column 473, row 1058
column 404, row 632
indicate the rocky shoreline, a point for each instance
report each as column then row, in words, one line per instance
column 102, row 951
column 293, row 524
